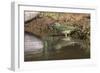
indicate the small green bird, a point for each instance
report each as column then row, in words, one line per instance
column 63, row 29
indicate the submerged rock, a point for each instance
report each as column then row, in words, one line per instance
column 66, row 42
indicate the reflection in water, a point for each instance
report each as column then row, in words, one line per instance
column 53, row 48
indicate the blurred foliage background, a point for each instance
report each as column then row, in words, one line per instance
column 41, row 25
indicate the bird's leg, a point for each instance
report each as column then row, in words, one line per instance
column 66, row 35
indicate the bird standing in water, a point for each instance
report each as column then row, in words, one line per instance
column 64, row 30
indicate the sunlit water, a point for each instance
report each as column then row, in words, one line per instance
column 32, row 44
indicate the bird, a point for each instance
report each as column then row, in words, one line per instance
column 63, row 29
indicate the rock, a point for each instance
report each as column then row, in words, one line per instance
column 39, row 26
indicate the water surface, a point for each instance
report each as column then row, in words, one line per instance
column 35, row 49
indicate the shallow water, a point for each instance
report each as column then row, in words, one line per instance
column 67, row 50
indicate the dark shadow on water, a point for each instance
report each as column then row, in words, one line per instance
column 69, row 52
